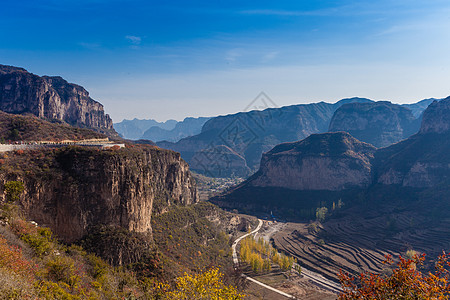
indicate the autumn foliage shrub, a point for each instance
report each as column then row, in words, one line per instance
column 11, row 257
column 406, row 281
column 38, row 238
column 203, row 286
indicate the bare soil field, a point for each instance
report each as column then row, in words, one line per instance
column 356, row 243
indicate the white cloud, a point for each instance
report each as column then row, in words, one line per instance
column 270, row 56
column 232, row 55
column 90, row 46
column 135, row 40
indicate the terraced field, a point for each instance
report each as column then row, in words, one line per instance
column 355, row 244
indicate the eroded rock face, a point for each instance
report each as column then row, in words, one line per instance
column 423, row 160
column 378, row 123
column 436, row 118
column 329, row 161
column 81, row 187
column 51, row 98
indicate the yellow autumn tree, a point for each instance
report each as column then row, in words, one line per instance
column 208, row 285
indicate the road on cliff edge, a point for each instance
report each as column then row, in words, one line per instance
column 236, row 263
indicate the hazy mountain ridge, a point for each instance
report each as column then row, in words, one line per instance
column 250, row 134
column 188, row 127
column 134, row 129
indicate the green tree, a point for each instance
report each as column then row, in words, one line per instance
column 321, row 213
column 13, row 189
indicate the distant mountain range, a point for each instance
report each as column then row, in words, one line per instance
column 170, row 130
column 134, row 129
column 247, row 135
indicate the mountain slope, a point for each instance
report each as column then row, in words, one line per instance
column 295, row 170
column 30, row 128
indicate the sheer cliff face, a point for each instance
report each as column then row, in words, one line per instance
column 330, row 161
column 78, row 188
column 50, row 98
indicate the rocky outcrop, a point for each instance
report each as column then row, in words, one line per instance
column 329, row 161
column 51, row 98
column 71, row 189
column 378, row 123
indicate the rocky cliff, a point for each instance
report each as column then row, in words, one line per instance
column 71, row 189
column 51, row 98
column 329, row 161
column 378, row 123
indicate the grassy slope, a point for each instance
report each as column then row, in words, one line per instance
column 31, row 128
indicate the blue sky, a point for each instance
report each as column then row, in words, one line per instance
column 171, row 59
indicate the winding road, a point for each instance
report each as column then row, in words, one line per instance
column 316, row 278
column 236, row 263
